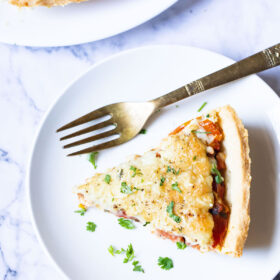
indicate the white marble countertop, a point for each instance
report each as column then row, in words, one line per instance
column 32, row 78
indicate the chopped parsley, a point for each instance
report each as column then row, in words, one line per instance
column 136, row 171
column 113, row 251
column 125, row 188
column 137, row 267
column 171, row 169
column 82, row 210
column 181, row 245
column 146, row 224
column 177, row 106
column 202, row 106
column 207, row 116
column 92, row 159
column 143, row 131
column 169, row 210
column 126, row 223
column 176, row 188
column 218, row 177
column 91, row 226
column 165, row 263
column 205, row 132
column 129, row 254
column 107, row 179
column 162, row 180
column 194, row 158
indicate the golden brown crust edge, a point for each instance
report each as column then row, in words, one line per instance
column 46, row 3
column 237, row 180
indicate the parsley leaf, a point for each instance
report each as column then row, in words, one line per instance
column 171, row 169
column 218, row 178
column 146, row 224
column 202, row 106
column 125, row 188
column 165, row 263
column 107, row 179
column 136, row 171
column 82, row 210
column 126, row 223
column 143, row 131
column 162, row 179
column 129, row 254
column 111, row 250
column 169, row 210
column 205, row 132
column 92, row 159
column 91, row 226
column 207, row 116
column 137, row 267
column 181, row 245
column 194, row 158
column 176, row 188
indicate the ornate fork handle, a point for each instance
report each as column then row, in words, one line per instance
column 258, row 62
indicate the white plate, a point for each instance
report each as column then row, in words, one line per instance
column 139, row 75
column 74, row 23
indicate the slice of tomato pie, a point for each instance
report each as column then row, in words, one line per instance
column 193, row 188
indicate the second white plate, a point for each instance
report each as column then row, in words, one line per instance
column 74, row 23
column 140, row 75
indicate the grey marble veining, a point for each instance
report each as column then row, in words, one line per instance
column 32, row 78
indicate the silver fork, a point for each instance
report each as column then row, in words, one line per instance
column 128, row 119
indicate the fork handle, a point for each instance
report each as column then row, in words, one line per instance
column 258, row 62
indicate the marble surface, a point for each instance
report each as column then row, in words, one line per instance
column 32, row 78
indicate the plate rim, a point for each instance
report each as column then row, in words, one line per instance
column 72, row 42
column 61, row 94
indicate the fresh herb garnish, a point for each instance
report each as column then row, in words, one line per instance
column 181, row 245
column 129, row 254
column 91, row 226
column 177, row 106
column 143, row 131
column 126, row 223
column 136, row 171
column 137, row 267
column 169, row 210
column 202, row 106
column 165, row 263
column 171, row 169
column 198, row 131
column 146, row 224
column 194, row 158
column 207, row 116
column 82, row 210
column 125, row 188
column 162, row 179
column 113, row 199
column 92, row 159
column 107, row 179
column 111, row 250
column 218, row 177
column 176, row 188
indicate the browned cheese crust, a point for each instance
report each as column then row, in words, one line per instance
column 237, row 180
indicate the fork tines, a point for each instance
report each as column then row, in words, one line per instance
column 97, row 114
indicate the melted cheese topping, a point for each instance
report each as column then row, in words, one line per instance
column 180, row 158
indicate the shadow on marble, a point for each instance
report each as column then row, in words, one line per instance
column 263, row 188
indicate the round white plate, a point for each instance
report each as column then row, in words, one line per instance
column 74, row 23
column 140, row 75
